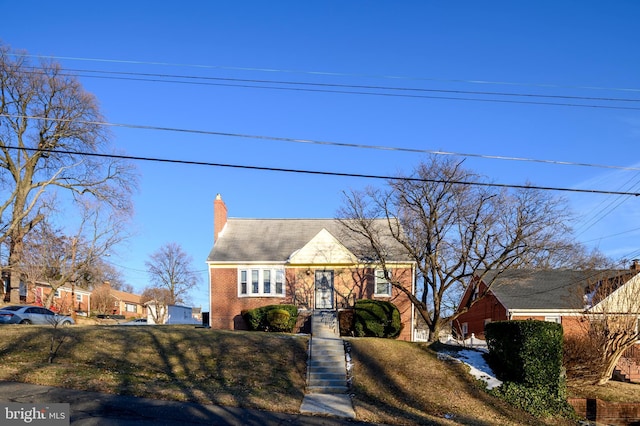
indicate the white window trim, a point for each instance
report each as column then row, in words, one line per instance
column 275, row 272
column 379, row 279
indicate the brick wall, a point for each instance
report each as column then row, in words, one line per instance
column 487, row 308
column 609, row 413
column 349, row 285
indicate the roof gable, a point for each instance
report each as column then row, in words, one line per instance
column 323, row 248
column 623, row 299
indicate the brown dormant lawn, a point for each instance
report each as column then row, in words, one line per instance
column 394, row 382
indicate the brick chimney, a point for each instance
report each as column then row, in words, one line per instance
column 635, row 265
column 219, row 217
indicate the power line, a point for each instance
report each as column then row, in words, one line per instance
column 325, row 73
column 323, row 173
column 394, row 95
column 351, row 86
column 327, row 143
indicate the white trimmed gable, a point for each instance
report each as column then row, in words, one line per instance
column 323, row 248
column 625, row 299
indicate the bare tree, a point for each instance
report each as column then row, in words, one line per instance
column 157, row 300
column 454, row 225
column 50, row 140
column 610, row 321
column 171, row 268
column 102, row 300
column 58, row 259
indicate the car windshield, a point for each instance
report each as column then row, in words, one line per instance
column 11, row 308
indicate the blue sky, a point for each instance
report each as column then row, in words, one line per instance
column 579, row 49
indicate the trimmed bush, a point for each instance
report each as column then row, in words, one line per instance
column 278, row 320
column 376, row 318
column 271, row 318
column 527, row 357
column 527, row 352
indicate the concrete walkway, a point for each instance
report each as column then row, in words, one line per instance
column 326, row 392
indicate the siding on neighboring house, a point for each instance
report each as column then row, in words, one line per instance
column 250, row 255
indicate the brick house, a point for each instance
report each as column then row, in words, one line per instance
column 560, row 296
column 573, row 299
column 311, row 263
column 118, row 302
column 67, row 298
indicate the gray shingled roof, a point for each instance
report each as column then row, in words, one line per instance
column 545, row 289
column 274, row 240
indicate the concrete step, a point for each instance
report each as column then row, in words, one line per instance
column 326, row 364
column 327, row 383
column 327, row 376
column 327, row 389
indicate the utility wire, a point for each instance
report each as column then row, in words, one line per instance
column 36, row 70
column 326, row 143
column 354, row 92
column 323, row 173
column 323, row 73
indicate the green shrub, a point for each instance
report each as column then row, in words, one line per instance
column 527, row 357
column 527, row 352
column 263, row 318
column 278, row 320
column 376, row 318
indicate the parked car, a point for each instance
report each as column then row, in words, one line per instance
column 139, row 321
column 26, row 314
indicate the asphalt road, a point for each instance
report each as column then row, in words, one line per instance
column 100, row 409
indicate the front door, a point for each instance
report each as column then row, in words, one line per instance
column 324, row 290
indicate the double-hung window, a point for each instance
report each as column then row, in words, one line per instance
column 382, row 284
column 261, row 282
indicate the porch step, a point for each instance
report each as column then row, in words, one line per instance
column 627, row 370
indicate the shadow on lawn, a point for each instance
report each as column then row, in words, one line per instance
column 253, row 370
column 397, row 394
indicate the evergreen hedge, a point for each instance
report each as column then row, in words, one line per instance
column 271, row 318
column 527, row 357
column 376, row 318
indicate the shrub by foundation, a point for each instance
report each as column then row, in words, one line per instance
column 376, row 318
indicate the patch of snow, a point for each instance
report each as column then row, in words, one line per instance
column 477, row 364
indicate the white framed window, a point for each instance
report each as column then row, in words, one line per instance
column 382, row 284
column 78, row 298
column 553, row 318
column 261, row 282
column 242, row 290
column 465, row 328
column 130, row 307
column 56, row 294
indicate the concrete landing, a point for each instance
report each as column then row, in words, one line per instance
column 338, row 405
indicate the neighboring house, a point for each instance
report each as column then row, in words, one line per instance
column 66, row 298
column 109, row 301
column 562, row 296
column 312, row 263
column 171, row 314
column 128, row 304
